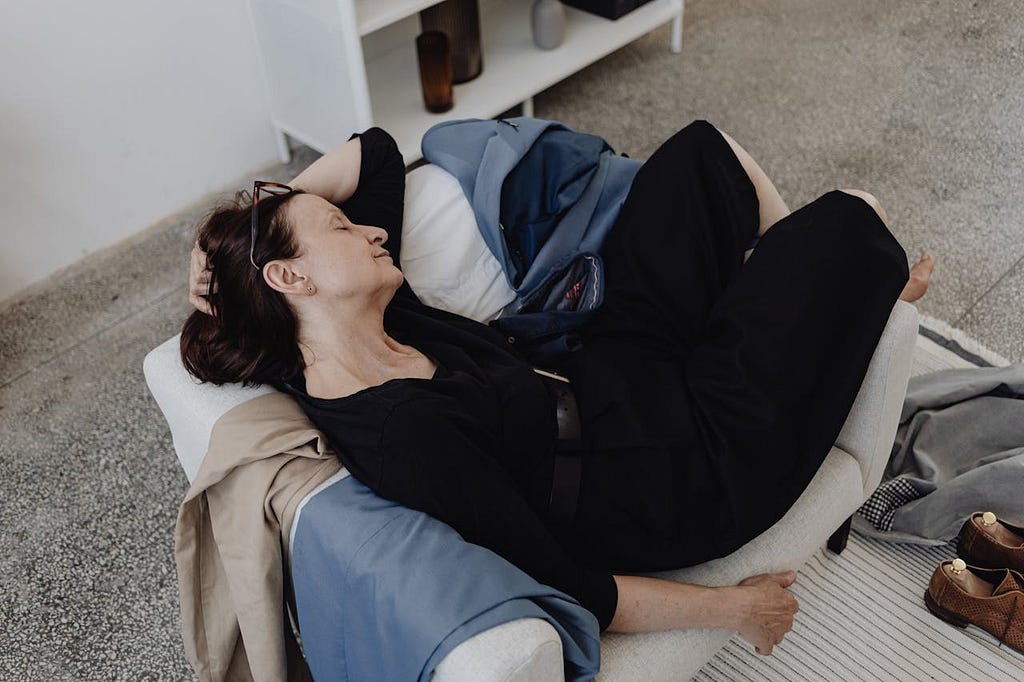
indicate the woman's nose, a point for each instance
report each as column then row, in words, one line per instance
column 380, row 235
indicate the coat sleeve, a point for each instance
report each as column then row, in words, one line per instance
column 435, row 459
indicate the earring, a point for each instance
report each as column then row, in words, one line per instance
column 309, row 289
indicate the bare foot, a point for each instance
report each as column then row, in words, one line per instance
column 920, row 273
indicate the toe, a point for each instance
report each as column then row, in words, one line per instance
column 923, row 267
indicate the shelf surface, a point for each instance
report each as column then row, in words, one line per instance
column 373, row 15
column 514, row 68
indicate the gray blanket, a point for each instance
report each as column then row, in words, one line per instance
column 959, row 449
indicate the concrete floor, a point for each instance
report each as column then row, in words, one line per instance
column 920, row 103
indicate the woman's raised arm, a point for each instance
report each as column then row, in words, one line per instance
column 335, row 175
column 366, row 180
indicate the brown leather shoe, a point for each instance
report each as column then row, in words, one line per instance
column 991, row 599
column 990, row 543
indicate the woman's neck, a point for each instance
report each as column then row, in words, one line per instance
column 350, row 351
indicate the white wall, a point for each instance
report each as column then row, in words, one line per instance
column 115, row 114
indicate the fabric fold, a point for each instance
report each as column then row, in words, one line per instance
column 959, row 449
column 353, row 573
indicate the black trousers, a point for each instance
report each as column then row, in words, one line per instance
column 712, row 389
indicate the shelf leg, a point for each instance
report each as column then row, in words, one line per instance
column 284, row 152
column 528, row 107
column 677, row 30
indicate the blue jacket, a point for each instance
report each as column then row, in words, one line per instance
column 384, row 592
column 544, row 197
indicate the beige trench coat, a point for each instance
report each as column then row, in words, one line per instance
column 230, row 541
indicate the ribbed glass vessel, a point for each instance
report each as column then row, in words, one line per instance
column 460, row 21
column 435, row 61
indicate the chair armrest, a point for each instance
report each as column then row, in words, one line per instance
column 525, row 650
column 190, row 407
column 870, row 428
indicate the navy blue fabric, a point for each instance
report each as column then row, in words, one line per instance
column 542, row 187
column 546, row 323
column 359, row 602
column 562, row 192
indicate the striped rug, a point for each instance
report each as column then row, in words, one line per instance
column 861, row 615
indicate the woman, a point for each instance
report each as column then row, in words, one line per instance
column 709, row 387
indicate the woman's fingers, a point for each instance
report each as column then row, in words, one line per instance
column 199, row 281
column 774, row 633
column 769, row 610
column 785, row 579
column 199, row 269
column 200, row 304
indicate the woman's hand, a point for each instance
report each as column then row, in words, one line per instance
column 766, row 609
column 199, row 278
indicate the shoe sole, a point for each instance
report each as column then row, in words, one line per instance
column 979, row 634
column 942, row 613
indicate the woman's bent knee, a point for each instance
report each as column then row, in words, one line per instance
column 871, row 201
column 894, row 251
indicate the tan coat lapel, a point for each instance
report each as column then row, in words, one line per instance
column 264, row 457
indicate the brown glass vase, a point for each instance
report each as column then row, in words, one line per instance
column 460, row 21
column 435, row 59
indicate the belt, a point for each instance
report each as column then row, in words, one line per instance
column 565, row 477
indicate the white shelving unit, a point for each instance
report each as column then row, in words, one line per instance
column 374, row 15
column 336, row 66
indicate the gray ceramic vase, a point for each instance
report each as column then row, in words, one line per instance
column 547, row 21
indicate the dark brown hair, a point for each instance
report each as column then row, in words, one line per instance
column 251, row 337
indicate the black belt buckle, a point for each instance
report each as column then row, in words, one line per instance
column 565, row 478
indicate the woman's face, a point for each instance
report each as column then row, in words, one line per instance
column 341, row 259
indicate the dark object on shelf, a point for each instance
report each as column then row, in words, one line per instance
column 610, row 9
column 435, row 59
column 460, row 21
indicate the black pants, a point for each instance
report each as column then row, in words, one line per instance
column 712, row 389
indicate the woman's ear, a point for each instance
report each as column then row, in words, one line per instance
column 281, row 276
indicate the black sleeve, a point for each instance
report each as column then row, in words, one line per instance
column 379, row 198
column 435, row 459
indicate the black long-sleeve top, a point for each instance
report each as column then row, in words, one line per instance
column 472, row 446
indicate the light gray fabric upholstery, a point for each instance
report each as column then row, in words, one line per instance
column 871, row 425
column 522, row 650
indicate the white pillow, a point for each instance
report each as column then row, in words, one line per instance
column 444, row 257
